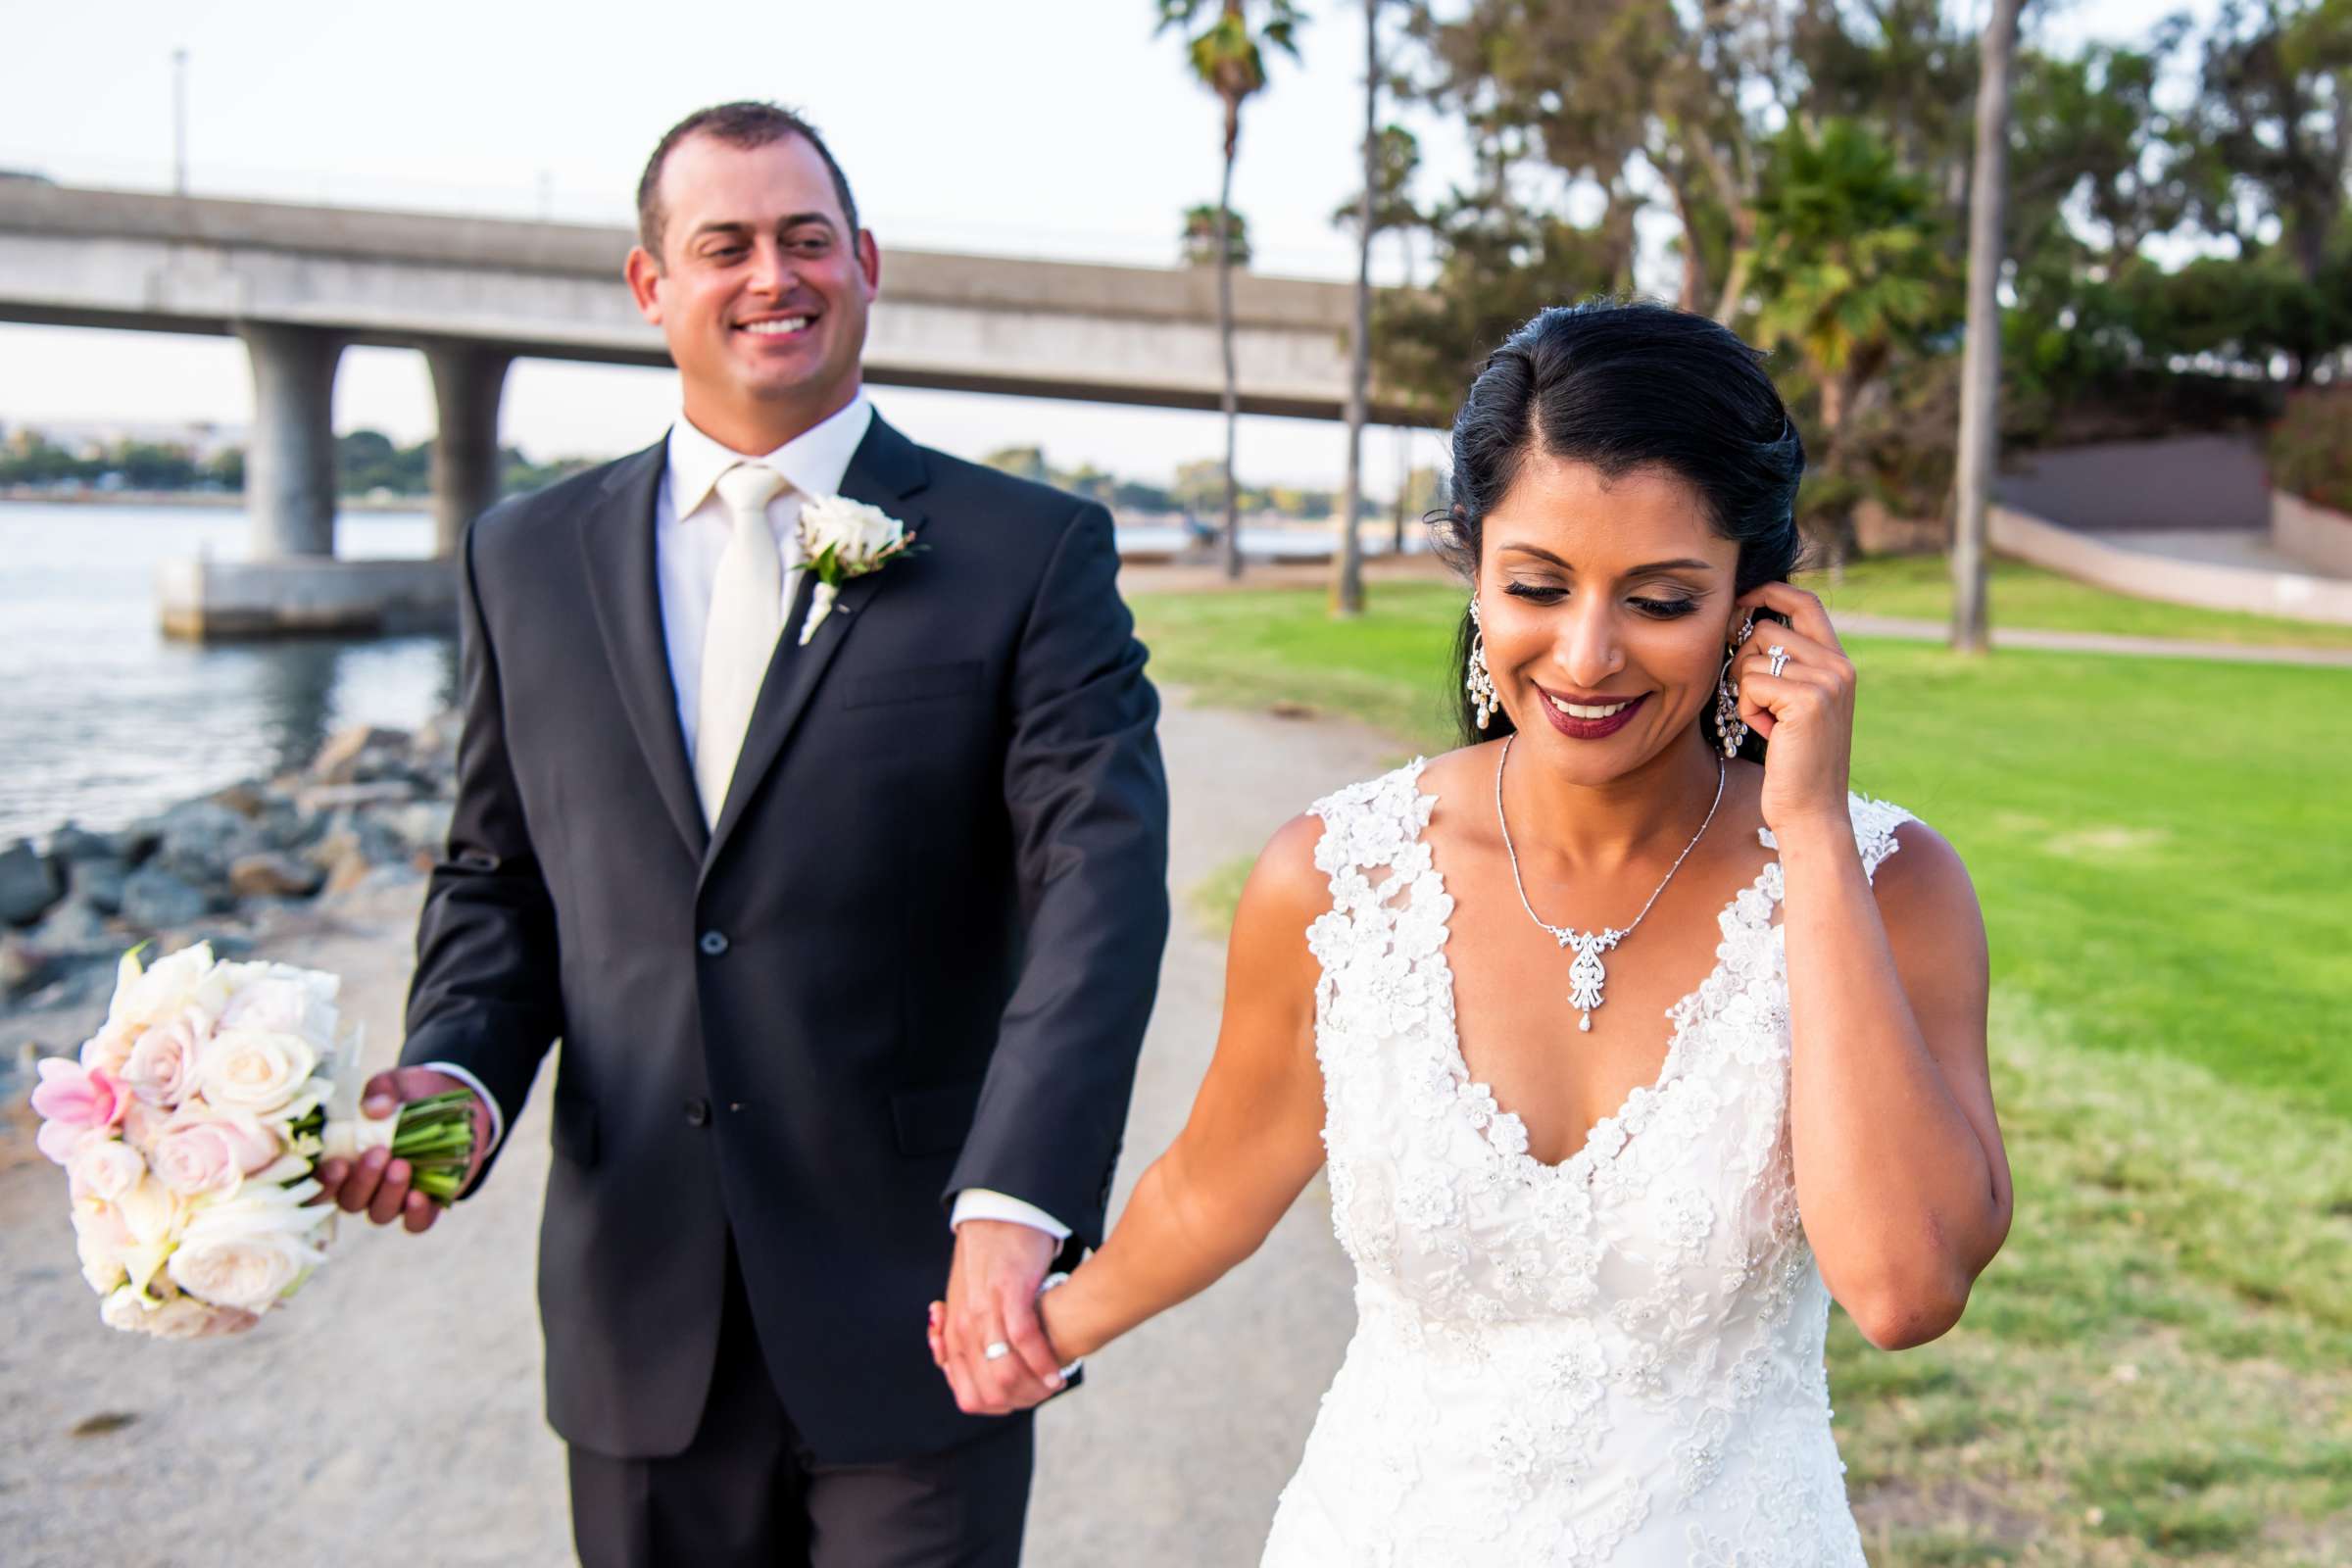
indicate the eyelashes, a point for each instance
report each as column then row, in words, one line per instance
column 1654, row 608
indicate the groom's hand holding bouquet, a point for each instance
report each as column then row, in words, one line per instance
column 386, row 1189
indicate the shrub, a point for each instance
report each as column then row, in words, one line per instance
column 2310, row 448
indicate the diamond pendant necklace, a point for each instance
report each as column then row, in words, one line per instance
column 1587, row 976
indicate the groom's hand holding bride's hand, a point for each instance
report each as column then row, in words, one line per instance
column 992, row 1301
column 377, row 1185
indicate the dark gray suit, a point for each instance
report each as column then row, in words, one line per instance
column 914, row 955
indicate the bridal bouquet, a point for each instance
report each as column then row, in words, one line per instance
column 189, row 1128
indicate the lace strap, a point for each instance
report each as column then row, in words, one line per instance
column 1368, row 827
column 1875, row 822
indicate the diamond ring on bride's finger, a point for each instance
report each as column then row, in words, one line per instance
column 995, row 1350
column 1778, row 656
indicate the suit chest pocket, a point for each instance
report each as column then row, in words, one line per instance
column 958, row 681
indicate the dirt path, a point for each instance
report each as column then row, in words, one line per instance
column 393, row 1416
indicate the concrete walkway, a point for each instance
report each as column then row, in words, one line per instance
column 2091, row 642
column 393, row 1414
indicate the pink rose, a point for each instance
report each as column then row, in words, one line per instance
column 76, row 1100
column 143, row 1124
column 195, row 1159
column 199, row 1153
column 161, row 1068
column 109, row 1049
column 104, row 1168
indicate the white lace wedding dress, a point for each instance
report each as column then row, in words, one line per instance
column 1615, row 1360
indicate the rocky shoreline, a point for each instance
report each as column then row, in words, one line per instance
column 371, row 811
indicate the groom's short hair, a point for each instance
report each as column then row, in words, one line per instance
column 748, row 123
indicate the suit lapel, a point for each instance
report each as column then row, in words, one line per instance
column 618, row 542
column 885, row 471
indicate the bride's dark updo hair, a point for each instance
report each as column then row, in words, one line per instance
column 1624, row 385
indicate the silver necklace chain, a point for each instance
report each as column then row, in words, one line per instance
column 1587, row 976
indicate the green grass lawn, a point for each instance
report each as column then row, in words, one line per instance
column 2159, row 1369
column 1920, row 588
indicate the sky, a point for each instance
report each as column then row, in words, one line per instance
column 1060, row 129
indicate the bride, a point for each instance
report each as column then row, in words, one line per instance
column 1630, row 1037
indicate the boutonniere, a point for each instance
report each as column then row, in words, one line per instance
column 841, row 539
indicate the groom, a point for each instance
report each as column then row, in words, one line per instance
column 849, row 929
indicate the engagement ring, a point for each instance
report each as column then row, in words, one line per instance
column 1778, row 656
column 996, row 1351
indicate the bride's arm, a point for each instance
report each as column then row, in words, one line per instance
column 1255, row 1133
column 1901, row 1177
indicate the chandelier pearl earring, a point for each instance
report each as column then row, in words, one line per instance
column 1480, row 684
column 1730, row 730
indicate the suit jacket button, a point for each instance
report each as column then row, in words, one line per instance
column 697, row 1113
column 712, row 943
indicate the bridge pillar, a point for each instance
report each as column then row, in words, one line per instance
column 468, row 381
column 290, row 461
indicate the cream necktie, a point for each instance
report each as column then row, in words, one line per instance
column 747, row 613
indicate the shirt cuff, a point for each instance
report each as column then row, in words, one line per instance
column 498, row 1117
column 978, row 1202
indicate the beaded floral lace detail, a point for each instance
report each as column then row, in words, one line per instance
column 1616, row 1359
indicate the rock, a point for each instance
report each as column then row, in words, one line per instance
column 422, row 826
column 71, row 846
column 343, row 858
column 136, row 844
column 203, row 839
column 97, row 882
column 21, row 968
column 154, row 899
column 29, row 884
column 359, row 755
column 274, row 876
column 75, row 930
column 345, row 797
column 248, row 798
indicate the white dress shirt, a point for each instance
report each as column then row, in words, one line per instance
column 690, row 532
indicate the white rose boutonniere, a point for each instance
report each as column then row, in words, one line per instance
column 841, row 539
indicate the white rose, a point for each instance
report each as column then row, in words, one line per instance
column 169, row 988
column 256, row 1071
column 104, row 1168
column 282, row 1000
column 247, row 1251
column 182, row 1317
column 101, row 1263
column 853, row 531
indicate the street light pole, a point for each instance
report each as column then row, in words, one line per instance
column 179, row 122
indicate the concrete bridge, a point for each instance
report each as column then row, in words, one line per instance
column 299, row 283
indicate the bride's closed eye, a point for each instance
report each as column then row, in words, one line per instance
column 1549, row 594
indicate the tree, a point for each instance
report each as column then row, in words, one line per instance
column 1347, row 560
column 1626, row 94
column 1981, row 351
column 1849, row 272
column 1228, row 57
column 1197, row 241
column 1022, row 462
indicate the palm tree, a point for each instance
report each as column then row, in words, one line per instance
column 1228, row 57
column 1348, row 564
column 1981, row 352
column 1847, row 266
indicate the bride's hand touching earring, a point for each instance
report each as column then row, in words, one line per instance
column 1797, row 690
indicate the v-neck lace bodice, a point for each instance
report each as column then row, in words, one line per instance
column 1616, row 1359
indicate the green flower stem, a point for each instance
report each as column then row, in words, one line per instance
column 435, row 1136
